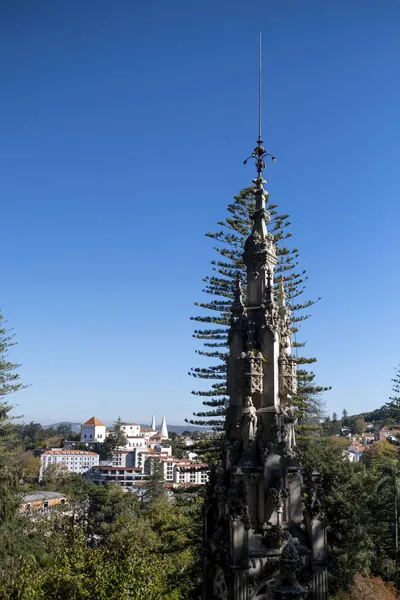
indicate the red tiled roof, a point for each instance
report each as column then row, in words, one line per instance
column 93, row 421
column 114, row 468
column 85, row 452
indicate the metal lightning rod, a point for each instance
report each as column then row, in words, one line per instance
column 260, row 90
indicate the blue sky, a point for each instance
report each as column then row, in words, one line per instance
column 123, row 130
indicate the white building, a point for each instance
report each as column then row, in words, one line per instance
column 93, row 431
column 123, row 458
column 135, row 442
column 130, row 429
column 187, row 472
column 143, row 458
column 127, row 477
column 76, row 461
column 147, row 432
column 178, row 470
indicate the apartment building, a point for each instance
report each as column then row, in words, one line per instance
column 127, row 477
column 75, row 461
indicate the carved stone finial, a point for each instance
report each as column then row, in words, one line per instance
column 281, row 293
column 237, row 306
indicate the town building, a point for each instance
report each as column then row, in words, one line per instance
column 41, row 502
column 190, row 472
column 147, row 432
column 386, row 433
column 126, row 477
column 123, row 458
column 75, row 461
column 93, row 431
column 130, row 429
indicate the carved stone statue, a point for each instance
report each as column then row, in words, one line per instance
column 249, row 424
column 290, row 419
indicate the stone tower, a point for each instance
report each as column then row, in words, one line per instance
column 258, row 545
column 164, row 429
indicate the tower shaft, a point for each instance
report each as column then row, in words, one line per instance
column 257, row 544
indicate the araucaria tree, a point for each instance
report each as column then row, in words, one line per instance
column 393, row 406
column 9, row 383
column 214, row 323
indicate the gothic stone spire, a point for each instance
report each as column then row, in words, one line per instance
column 257, row 544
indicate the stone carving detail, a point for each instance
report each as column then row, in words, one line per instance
column 275, row 536
column 238, row 316
column 289, row 587
column 315, row 504
column 249, row 424
column 277, row 493
column 252, row 373
column 287, row 375
column 270, row 317
column 290, row 421
column 220, row 589
column 237, row 500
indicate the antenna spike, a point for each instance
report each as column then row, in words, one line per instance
column 259, row 153
column 260, row 89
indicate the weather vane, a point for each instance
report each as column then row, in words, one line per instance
column 259, row 153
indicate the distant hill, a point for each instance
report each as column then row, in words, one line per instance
column 181, row 428
column 379, row 415
column 76, row 427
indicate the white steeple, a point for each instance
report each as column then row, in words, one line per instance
column 153, row 423
column 164, row 430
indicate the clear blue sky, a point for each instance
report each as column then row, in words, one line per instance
column 123, row 130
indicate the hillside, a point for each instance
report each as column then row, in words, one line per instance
column 76, row 427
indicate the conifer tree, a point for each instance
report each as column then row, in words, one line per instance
column 115, row 440
column 393, row 406
column 9, row 383
column 155, row 481
column 213, row 334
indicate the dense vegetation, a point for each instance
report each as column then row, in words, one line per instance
column 106, row 544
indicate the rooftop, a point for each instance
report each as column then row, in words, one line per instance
column 94, row 421
column 41, row 496
column 114, row 468
column 74, row 452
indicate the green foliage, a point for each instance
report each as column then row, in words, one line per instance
column 33, row 435
column 115, row 440
column 118, row 550
column 393, row 406
column 9, row 384
column 360, row 425
column 214, row 323
column 344, row 492
column 155, row 489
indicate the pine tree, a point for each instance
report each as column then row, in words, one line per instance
column 115, row 440
column 393, row 406
column 9, row 383
column 214, row 334
column 155, row 481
